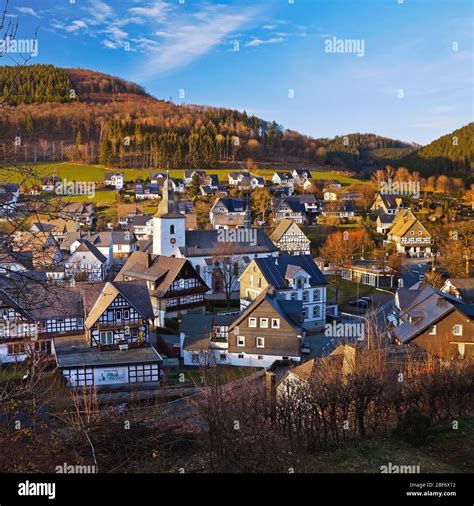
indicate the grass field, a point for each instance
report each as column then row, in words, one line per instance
column 83, row 172
column 448, row 451
column 348, row 292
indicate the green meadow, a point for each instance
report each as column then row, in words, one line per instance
column 82, row 172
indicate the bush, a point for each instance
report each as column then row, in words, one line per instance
column 413, row 427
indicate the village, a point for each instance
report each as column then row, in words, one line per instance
column 134, row 305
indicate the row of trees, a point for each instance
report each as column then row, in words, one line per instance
column 372, row 395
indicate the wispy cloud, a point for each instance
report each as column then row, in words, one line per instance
column 260, row 42
column 28, row 10
column 187, row 37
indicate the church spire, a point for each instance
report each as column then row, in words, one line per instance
column 167, row 207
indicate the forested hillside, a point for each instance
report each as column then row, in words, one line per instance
column 101, row 118
column 453, row 153
column 35, row 84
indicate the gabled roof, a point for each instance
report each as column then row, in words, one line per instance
column 293, row 203
column 232, row 205
column 464, row 286
column 290, row 310
column 282, row 228
column 87, row 246
column 197, row 328
column 402, row 226
column 134, row 292
column 161, row 270
column 274, row 269
column 425, row 310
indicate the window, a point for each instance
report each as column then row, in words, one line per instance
column 126, row 314
column 275, row 323
column 293, row 296
column 171, row 229
column 106, row 337
column 305, row 296
column 461, row 349
column 260, row 342
column 240, row 355
column 264, row 323
column 305, row 313
column 316, row 312
column 316, row 295
column 432, row 331
column 260, row 357
column 253, row 322
column 457, row 330
column 240, row 341
column 260, row 282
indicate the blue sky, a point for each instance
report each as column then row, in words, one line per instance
column 410, row 76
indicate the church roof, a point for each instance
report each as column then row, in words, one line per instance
column 206, row 243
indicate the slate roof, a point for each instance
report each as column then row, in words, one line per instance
column 426, row 309
column 201, row 243
column 197, row 328
column 406, row 297
column 232, row 205
column 274, row 269
column 293, row 203
column 42, row 302
column 162, row 271
column 74, row 351
column 134, row 292
column 290, row 310
column 87, row 246
column 465, row 287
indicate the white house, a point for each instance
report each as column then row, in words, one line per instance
column 86, row 263
column 114, row 179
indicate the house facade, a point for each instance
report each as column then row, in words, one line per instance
column 115, row 349
column 173, row 284
column 293, row 278
column 115, row 179
column 437, row 322
column 410, row 237
column 289, row 238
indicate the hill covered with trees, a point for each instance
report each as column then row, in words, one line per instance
column 451, row 153
column 101, row 118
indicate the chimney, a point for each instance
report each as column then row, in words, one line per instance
column 270, row 390
column 148, row 260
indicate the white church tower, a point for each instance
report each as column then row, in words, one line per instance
column 168, row 225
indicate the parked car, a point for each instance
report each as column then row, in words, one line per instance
column 306, row 348
column 360, row 303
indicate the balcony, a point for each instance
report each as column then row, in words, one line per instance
column 120, row 325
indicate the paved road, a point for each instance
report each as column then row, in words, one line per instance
column 411, row 270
